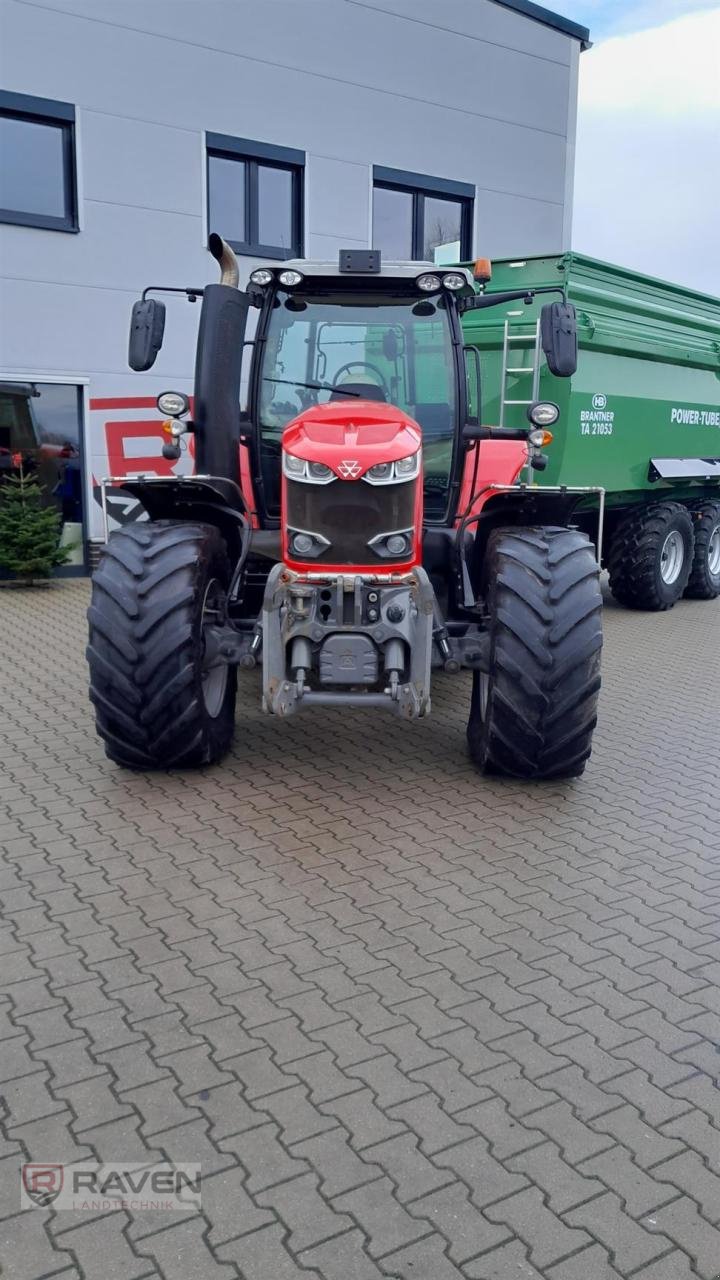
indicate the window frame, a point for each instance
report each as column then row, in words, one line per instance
column 21, row 106
column 420, row 186
column 254, row 155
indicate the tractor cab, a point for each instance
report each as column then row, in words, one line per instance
column 361, row 330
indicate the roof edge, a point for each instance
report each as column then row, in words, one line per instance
column 550, row 19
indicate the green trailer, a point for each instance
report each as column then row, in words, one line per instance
column 640, row 419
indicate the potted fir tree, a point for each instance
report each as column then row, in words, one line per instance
column 29, row 532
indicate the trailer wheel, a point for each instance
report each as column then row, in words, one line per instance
column 533, row 714
column 651, row 555
column 704, row 581
column 158, row 704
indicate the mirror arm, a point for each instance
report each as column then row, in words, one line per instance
column 481, row 300
column 191, row 294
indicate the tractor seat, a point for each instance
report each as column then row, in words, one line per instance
column 361, row 390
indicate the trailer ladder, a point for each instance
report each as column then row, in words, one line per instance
column 527, row 348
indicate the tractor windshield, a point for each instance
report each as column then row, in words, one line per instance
column 393, row 349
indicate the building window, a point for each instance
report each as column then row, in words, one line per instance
column 416, row 217
column 37, row 175
column 255, row 196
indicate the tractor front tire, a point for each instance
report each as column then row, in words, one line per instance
column 651, row 556
column 704, row 580
column 158, row 705
column 533, row 714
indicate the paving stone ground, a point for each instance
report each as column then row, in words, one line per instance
column 414, row 1023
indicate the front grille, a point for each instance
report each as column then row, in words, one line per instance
column 349, row 513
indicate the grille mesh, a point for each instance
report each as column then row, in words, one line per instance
column 349, row 513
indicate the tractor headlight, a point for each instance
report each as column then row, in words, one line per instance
column 290, row 278
column 429, row 282
column 394, row 472
column 397, row 544
column 391, row 545
column 406, row 468
column 294, row 467
column 173, row 403
column 310, row 472
column 381, row 471
column 543, row 413
column 318, row 471
column 453, row 280
column 303, row 543
column 262, row 276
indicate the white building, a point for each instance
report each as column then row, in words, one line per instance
column 130, row 128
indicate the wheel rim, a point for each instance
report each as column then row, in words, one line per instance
column 672, row 557
column 214, row 679
column 714, row 552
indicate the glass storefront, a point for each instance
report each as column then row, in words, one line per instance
column 41, row 433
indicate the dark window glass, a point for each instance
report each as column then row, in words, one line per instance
column 443, row 225
column 32, row 177
column 254, row 202
column 393, row 222
column 37, row 163
column 275, row 206
column 411, row 220
column 226, row 196
column 40, row 434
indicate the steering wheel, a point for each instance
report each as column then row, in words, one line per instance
column 362, row 364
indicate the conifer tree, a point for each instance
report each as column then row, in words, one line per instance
column 29, row 530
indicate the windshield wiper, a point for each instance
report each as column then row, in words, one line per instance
column 313, row 386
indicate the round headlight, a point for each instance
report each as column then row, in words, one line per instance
column 397, row 544
column 262, row 276
column 429, row 283
column 319, row 471
column 453, row 280
column 302, row 543
column 537, row 437
column 543, row 413
column 290, row 278
column 173, row 403
column 381, row 471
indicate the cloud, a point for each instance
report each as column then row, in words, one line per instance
column 647, row 187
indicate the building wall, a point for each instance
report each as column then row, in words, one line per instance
column 461, row 89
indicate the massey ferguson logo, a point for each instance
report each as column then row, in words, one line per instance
column 42, row 1182
column 349, row 470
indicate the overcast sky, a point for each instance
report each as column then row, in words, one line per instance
column 647, row 186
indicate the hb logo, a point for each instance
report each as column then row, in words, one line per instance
column 42, row 1182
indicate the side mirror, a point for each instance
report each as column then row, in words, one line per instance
column 147, row 326
column 558, row 334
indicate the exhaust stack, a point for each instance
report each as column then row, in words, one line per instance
column 222, row 253
column 217, row 368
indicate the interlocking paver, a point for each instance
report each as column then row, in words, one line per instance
column 413, row 1023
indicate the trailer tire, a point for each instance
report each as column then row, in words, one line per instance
column 651, row 556
column 704, row 581
column 533, row 714
column 156, row 706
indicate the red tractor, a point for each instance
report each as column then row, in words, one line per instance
column 353, row 528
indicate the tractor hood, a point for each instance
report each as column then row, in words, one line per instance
column 351, row 438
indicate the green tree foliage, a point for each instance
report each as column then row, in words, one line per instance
column 29, row 530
